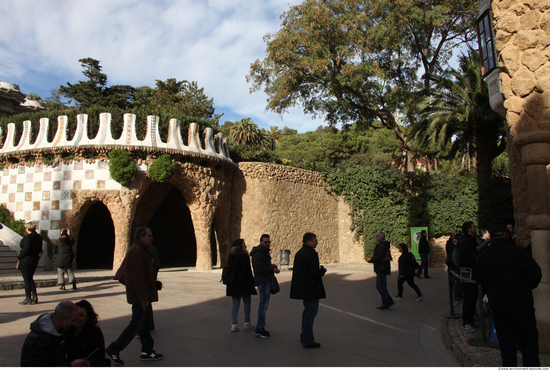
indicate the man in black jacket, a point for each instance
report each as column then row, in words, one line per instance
column 424, row 252
column 263, row 274
column 382, row 269
column 468, row 258
column 307, row 284
column 508, row 274
column 43, row 345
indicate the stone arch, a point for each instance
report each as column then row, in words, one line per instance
column 96, row 238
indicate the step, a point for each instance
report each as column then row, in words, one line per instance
column 5, row 248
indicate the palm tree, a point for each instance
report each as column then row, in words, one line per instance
column 273, row 135
column 458, row 113
column 246, row 131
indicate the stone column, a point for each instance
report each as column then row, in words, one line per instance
column 202, row 222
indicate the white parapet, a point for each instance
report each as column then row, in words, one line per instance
column 128, row 137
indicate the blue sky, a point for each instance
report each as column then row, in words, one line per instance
column 211, row 42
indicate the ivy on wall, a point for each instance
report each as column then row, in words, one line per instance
column 162, row 169
column 381, row 197
column 121, row 167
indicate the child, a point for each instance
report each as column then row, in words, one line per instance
column 407, row 267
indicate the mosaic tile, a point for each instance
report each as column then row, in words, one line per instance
column 102, row 165
column 5, row 206
column 78, row 165
column 36, row 205
column 6, row 171
column 19, row 206
column 54, row 224
column 58, row 166
column 5, row 189
column 57, row 185
column 45, row 215
column 46, row 196
column 12, row 197
column 20, row 187
column 29, row 178
column 21, row 169
column 66, row 195
column 89, row 174
column 66, row 175
column 28, row 196
column 100, row 184
column 48, row 176
column 77, row 184
column 55, row 205
column 37, row 186
column 13, row 179
column 27, row 215
column 38, row 169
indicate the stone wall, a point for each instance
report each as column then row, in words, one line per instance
column 522, row 34
column 285, row 203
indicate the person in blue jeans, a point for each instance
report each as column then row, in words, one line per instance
column 263, row 273
column 307, row 284
column 382, row 269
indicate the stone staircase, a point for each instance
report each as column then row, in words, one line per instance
column 8, row 260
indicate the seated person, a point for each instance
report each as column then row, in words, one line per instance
column 85, row 339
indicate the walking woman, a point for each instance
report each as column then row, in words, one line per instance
column 407, row 266
column 64, row 259
column 243, row 285
column 31, row 251
column 84, row 339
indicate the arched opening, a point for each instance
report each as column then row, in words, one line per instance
column 172, row 226
column 96, row 239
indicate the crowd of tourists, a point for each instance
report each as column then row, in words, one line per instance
column 507, row 274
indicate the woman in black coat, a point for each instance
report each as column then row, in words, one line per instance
column 243, row 285
column 31, row 250
column 407, row 267
column 85, row 340
column 64, row 259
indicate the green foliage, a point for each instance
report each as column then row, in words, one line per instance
column 383, row 198
column 501, row 166
column 162, row 169
column 243, row 152
column 18, row 226
column 32, row 96
column 121, row 168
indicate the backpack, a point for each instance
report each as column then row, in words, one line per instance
column 120, row 275
column 228, row 275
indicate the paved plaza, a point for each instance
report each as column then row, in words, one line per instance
column 192, row 321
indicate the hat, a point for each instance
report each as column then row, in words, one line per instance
column 497, row 231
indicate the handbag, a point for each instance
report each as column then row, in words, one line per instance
column 387, row 257
column 274, row 285
column 120, row 275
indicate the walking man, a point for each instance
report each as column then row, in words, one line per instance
column 263, row 273
column 141, row 291
column 508, row 274
column 424, row 251
column 468, row 258
column 307, row 284
column 382, row 269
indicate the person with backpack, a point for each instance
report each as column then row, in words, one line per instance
column 240, row 283
column 407, row 266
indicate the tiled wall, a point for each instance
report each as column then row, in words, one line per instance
column 40, row 192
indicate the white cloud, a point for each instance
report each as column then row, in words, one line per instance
column 211, row 42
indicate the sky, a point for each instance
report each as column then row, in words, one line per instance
column 212, row 42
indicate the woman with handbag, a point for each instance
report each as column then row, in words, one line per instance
column 64, row 259
column 242, row 285
column 31, row 251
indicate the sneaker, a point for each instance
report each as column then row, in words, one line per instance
column 312, row 345
column 235, row 328
column 398, row 297
column 468, row 328
column 114, row 358
column 249, row 325
column 150, row 356
column 420, row 297
column 262, row 333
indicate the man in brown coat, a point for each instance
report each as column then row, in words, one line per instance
column 141, row 291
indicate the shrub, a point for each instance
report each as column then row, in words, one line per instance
column 18, row 226
column 121, row 168
column 162, row 169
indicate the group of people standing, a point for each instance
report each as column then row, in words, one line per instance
column 306, row 284
column 30, row 254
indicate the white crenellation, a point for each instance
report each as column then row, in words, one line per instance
column 128, row 137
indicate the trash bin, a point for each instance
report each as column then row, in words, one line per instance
column 285, row 258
